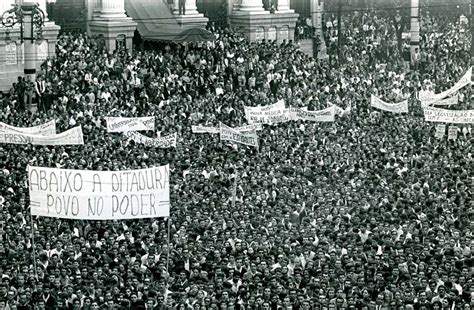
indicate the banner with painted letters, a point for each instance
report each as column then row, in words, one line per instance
column 124, row 124
column 270, row 114
column 230, row 134
column 443, row 102
column 325, row 115
column 401, row 107
column 162, row 142
column 99, row 195
column 428, row 99
column 46, row 129
column 72, row 136
column 251, row 127
column 204, row 129
column 448, row 116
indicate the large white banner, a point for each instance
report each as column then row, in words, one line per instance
column 251, row 127
column 162, row 142
column 428, row 98
column 229, row 134
column 99, row 195
column 45, row 129
column 124, row 124
column 401, row 107
column 204, row 129
column 72, row 136
column 273, row 113
column 448, row 116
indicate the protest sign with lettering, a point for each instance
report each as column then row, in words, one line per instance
column 325, row 115
column 452, row 132
column 444, row 102
column 251, row 127
column 448, row 116
column 428, row 99
column 204, row 129
column 440, row 130
column 272, row 113
column 45, row 129
column 72, row 136
column 99, row 195
column 124, row 124
column 162, row 142
column 400, row 107
column 229, row 134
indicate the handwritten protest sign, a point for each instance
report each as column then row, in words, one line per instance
column 99, row 195
column 124, row 124
column 452, row 132
column 72, row 136
column 229, row 134
column 272, row 113
column 440, row 130
column 162, row 142
column 204, row 129
column 45, row 129
column 401, row 107
column 448, row 116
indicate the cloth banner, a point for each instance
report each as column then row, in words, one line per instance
column 46, row 129
column 448, row 116
column 72, row 136
column 444, row 102
column 251, row 127
column 325, row 115
column 452, row 132
column 440, row 130
column 401, row 107
column 269, row 114
column 230, row 134
column 204, row 129
column 162, row 142
column 465, row 80
column 124, row 124
column 99, row 195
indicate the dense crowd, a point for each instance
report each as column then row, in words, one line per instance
column 368, row 212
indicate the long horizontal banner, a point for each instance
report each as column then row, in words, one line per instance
column 401, row 107
column 162, row 142
column 229, row 134
column 448, row 116
column 325, row 115
column 443, row 102
column 72, row 136
column 275, row 116
column 45, row 129
column 124, row 124
column 212, row 130
column 427, row 98
column 99, row 195
column 204, row 129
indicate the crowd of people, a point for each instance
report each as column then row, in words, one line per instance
column 371, row 211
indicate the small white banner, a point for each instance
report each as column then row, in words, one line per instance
column 124, row 124
column 401, row 107
column 204, row 129
column 99, row 195
column 162, row 142
column 45, row 129
column 72, row 136
column 229, row 134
